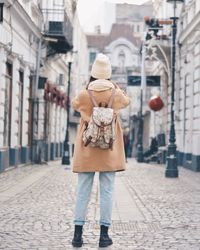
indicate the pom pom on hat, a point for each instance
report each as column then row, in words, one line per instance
column 101, row 68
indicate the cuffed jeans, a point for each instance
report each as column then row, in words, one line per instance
column 85, row 183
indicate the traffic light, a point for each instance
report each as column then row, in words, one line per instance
column 155, row 25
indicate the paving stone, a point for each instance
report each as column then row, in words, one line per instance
column 151, row 213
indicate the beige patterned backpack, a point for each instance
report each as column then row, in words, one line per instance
column 100, row 131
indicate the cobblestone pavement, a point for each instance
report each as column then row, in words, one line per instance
column 155, row 213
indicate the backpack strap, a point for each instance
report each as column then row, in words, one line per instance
column 95, row 102
column 111, row 98
column 93, row 98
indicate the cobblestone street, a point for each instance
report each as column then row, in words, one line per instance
column 151, row 212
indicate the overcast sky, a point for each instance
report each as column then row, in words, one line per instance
column 99, row 12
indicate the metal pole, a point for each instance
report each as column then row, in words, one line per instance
column 171, row 169
column 66, row 155
column 140, row 157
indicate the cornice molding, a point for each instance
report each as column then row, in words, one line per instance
column 23, row 15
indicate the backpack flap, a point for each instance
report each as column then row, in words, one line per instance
column 102, row 116
column 100, row 131
column 91, row 133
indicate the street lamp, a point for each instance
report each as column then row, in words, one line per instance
column 66, row 151
column 171, row 168
column 140, row 156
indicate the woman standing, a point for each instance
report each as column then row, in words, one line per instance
column 88, row 160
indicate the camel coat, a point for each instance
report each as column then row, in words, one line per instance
column 88, row 159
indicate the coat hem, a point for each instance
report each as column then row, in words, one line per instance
column 100, row 171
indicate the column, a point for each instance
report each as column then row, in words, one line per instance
column 2, row 91
column 4, row 152
column 53, row 129
column 15, row 114
column 25, row 149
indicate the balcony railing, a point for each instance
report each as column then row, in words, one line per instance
column 57, row 25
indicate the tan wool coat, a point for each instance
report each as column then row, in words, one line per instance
column 88, row 159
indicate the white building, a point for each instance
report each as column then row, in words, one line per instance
column 50, row 114
column 187, row 91
column 35, row 40
column 20, row 32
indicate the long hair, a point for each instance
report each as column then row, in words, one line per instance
column 91, row 79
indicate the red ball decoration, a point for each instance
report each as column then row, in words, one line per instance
column 156, row 103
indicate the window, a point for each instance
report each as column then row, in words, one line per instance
column 121, row 59
column 30, row 110
column 8, row 106
column 20, row 110
column 92, row 57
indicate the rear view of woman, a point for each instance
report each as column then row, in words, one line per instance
column 88, row 160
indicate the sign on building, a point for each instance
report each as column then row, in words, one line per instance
column 151, row 81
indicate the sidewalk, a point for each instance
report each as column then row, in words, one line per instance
column 150, row 212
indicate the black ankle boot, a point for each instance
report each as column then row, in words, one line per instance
column 104, row 240
column 77, row 240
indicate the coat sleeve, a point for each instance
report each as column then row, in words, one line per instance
column 122, row 100
column 81, row 102
column 77, row 101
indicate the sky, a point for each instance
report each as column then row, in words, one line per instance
column 99, row 12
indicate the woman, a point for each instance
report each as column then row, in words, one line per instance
column 88, row 160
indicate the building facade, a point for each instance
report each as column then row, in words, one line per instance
column 18, row 49
column 35, row 41
column 188, row 87
column 134, row 15
column 187, row 92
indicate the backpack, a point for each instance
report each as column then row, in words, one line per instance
column 100, row 131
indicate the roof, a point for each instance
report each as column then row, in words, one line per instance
column 118, row 30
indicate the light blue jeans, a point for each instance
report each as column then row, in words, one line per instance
column 85, row 183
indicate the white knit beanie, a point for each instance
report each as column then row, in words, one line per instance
column 101, row 68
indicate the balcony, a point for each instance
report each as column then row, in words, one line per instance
column 58, row 31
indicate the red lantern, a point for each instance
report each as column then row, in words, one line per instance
column 156, row 103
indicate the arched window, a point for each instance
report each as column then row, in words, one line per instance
column 121, row 58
